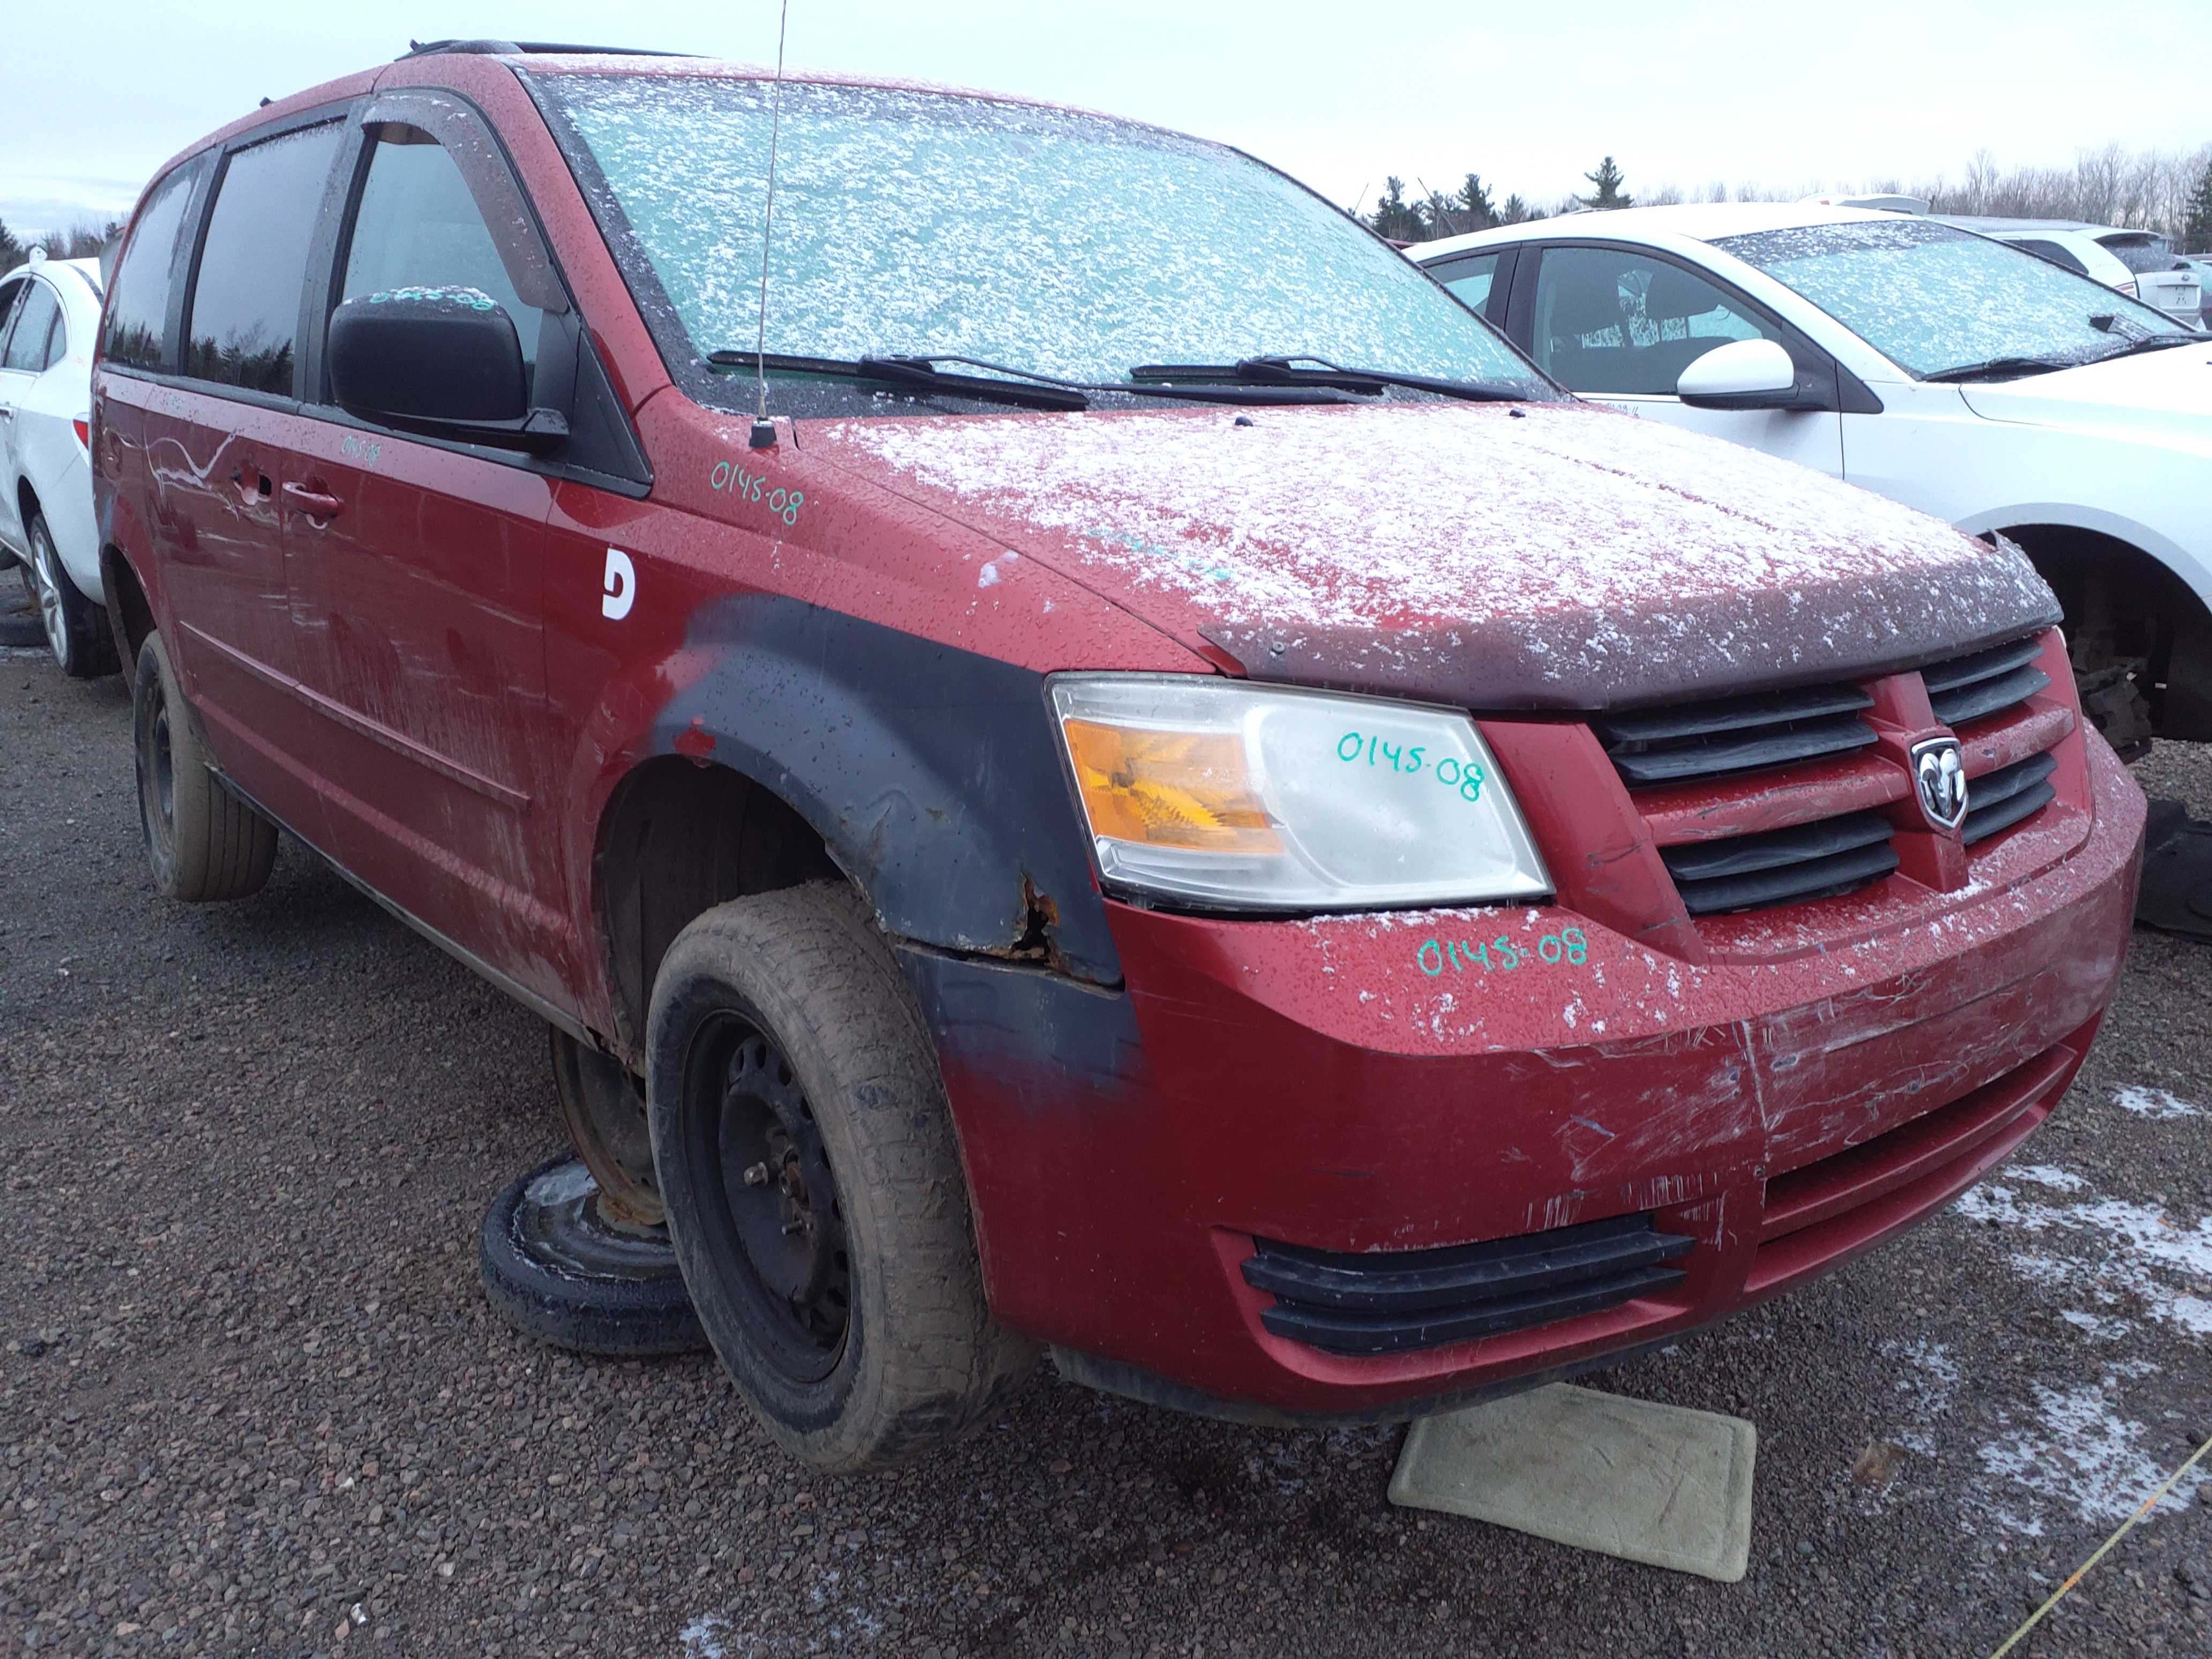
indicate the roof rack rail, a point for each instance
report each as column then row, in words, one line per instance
column 527, row 49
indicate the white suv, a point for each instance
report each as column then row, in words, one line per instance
column 49, row 317
column 1932, row 365
column 2140, row 262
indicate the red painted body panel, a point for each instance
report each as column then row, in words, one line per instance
column 1312, row 1083
column 430, row 685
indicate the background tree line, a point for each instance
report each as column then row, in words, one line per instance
column 2168, row 192
column 80, row 241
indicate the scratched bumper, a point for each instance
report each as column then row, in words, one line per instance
column 1348, row 1085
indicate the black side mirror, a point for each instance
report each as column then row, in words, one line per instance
column 445, row 362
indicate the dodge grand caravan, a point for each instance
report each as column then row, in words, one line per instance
column 1170, row 799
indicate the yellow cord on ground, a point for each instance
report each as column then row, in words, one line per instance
column 2082, row 1571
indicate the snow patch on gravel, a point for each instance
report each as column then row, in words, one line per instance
column 2080, row 1455
column 2114, row 1250
column 2154, row 1103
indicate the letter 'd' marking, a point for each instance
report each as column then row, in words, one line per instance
column 621, row 587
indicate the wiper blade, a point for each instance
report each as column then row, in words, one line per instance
column 1293, row 372
column 1022, row 389
column 1999, row 368
column 2151, row 342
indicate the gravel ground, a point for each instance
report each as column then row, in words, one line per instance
column 252, row 1401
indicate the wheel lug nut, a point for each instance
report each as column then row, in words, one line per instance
column 757, row 1175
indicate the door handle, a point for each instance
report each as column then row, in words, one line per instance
column 315, row 503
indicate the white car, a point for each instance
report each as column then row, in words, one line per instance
column 49, row 319
column 1932, row 365
column 2140, row 262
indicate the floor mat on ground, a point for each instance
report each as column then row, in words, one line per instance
column 1627, row 1478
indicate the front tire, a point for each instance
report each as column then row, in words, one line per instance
column 202, row 842
column 812, row 1183
column 76, row 629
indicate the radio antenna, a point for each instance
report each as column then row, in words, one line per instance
column 764, row 436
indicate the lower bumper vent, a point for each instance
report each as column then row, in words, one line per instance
column 1393, row 1301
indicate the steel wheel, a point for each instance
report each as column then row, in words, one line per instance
column 772, row 1199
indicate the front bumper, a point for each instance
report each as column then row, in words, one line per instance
column 1364, row 1085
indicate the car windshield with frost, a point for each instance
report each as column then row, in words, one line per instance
column 928, row 235
column 1945, row 304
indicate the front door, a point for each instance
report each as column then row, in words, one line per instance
column 1619, row 324
column 419, row 566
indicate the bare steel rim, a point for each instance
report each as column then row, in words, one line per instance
column 46, row 586
column 769, row 1208
column 157, row 771
column 602, row 1108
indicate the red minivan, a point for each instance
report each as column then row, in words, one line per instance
column 1076, row 752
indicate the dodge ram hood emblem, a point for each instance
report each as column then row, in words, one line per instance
column 1939, row 777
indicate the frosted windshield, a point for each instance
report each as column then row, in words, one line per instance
column 1056, row 242
column 1931, row 297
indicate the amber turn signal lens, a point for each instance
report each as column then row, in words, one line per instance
column 1169, row 789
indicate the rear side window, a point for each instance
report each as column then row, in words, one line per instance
column 137, row 313
column 2057, row 252
column 418, row 227
column 30, row 346
column 253, row 265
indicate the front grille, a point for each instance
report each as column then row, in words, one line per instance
column 1999, row 799
column 1726, row 735
column 1782, row 866
column 1969, row 688
column 1393, row 1301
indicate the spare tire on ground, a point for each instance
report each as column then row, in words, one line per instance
column 558, row 1269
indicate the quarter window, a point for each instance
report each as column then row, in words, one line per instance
column 136, row 323
column 2057, row 252
column 1612, row 321
column 1470, row 279
column 418, row 226
column 30, row 347
column 254, row 266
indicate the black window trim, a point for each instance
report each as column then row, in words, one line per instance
column 1842, row 391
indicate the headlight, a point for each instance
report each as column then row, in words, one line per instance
column 1248, row 797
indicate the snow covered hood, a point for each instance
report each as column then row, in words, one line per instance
column 2157, row 397
column 1543, row 555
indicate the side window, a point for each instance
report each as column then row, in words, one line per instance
column 137, row 318
column 1619, row 321
column 2056, row 252
column 417, row 226
column 1470, row 279
column 35, row 328
column 11, row 294
column 254, row 266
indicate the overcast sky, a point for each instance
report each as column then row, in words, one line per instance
column 1683, row 93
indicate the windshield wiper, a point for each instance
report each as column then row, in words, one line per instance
column 2000, row 368
column 1024, row 387
column 2150, row 343
column 1291, row 371
column 1003, row 384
